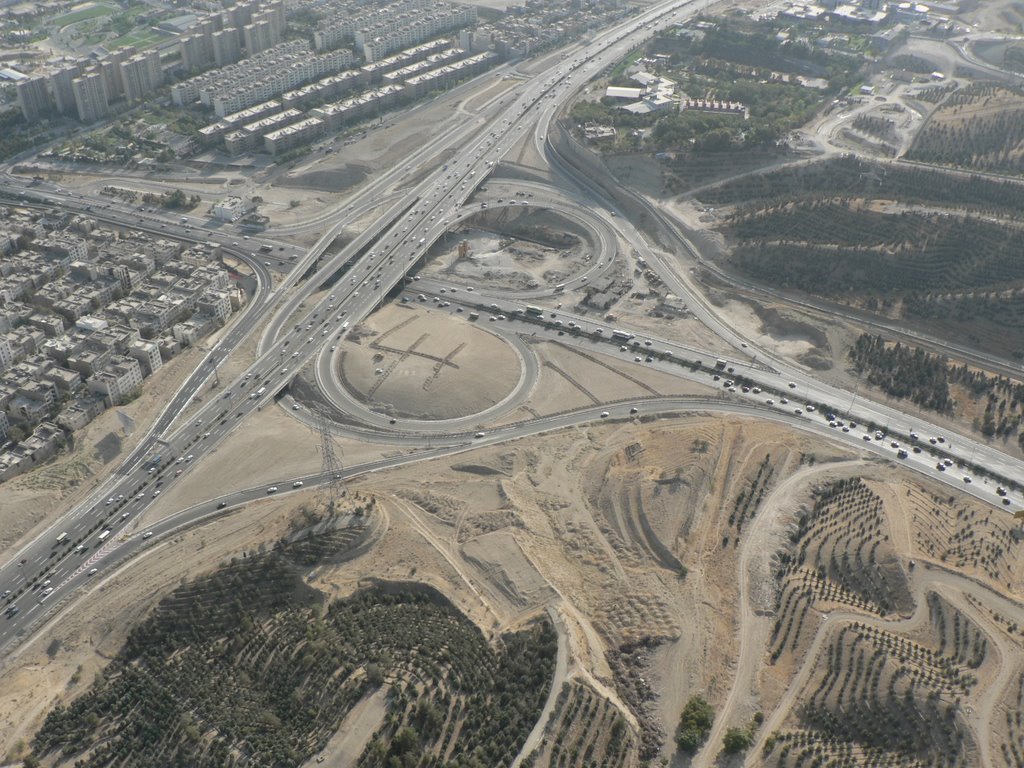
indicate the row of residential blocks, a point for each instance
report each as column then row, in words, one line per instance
column 280, row 125
column 261, row 77
column 377, row 31
column 319, row 91
column 87, row 89
column 272, row 70
column 219, row 39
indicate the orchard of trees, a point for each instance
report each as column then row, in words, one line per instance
column 249, row 664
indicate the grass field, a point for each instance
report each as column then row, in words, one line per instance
column 140, row 39
column 92, row 12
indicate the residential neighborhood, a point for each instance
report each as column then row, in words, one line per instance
column 88, row 315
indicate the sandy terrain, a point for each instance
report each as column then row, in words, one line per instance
column 498, row 261
column 348, row 743
column 274, row 446
column 427, row 364
column 574, row 378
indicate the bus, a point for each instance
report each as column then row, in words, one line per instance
column 621, row 335
column 104, row 534
column 62, row 538
column 535, row 311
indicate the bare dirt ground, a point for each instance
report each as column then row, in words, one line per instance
column 274, row 445
column 348, row 743
column 502, row 262
column 785, row 332
column 425, row 363
column 573, row 378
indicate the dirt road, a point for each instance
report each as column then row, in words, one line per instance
column 753, row 629
column 561, row 668
column 954, row 588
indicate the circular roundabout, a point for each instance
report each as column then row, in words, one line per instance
column 422, row 365
column 411, row 362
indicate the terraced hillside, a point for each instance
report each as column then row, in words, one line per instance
column 851, row 177
column 585, row 730
column 983, row 542
column 980, row 126
column 935, row 249
column 249, row 667
column 836, row 248
column 881, row 698
column 842, row 558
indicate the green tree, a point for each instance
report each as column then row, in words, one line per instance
column 176, row 200
column 694, row 724
column 736, row 740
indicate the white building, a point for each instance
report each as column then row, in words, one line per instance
column 228, row 209
column 6, row 354
column 120, row 379
column 148, row 355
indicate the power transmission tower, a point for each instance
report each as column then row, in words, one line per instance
column 332, row 485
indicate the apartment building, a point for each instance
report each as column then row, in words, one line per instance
column 118, row 381
column 91, row 99
column 293, row 135
column 34, row 98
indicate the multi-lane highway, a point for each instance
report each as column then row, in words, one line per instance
column 359, row 277
column 385, row 252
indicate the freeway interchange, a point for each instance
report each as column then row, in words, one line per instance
column 47, row 574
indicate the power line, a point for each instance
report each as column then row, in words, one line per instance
column 332, row 483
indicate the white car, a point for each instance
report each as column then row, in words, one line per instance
column 147, row 534
column 272, row 489
column 297, row 484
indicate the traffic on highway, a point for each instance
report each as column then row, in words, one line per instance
column 97, row 535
